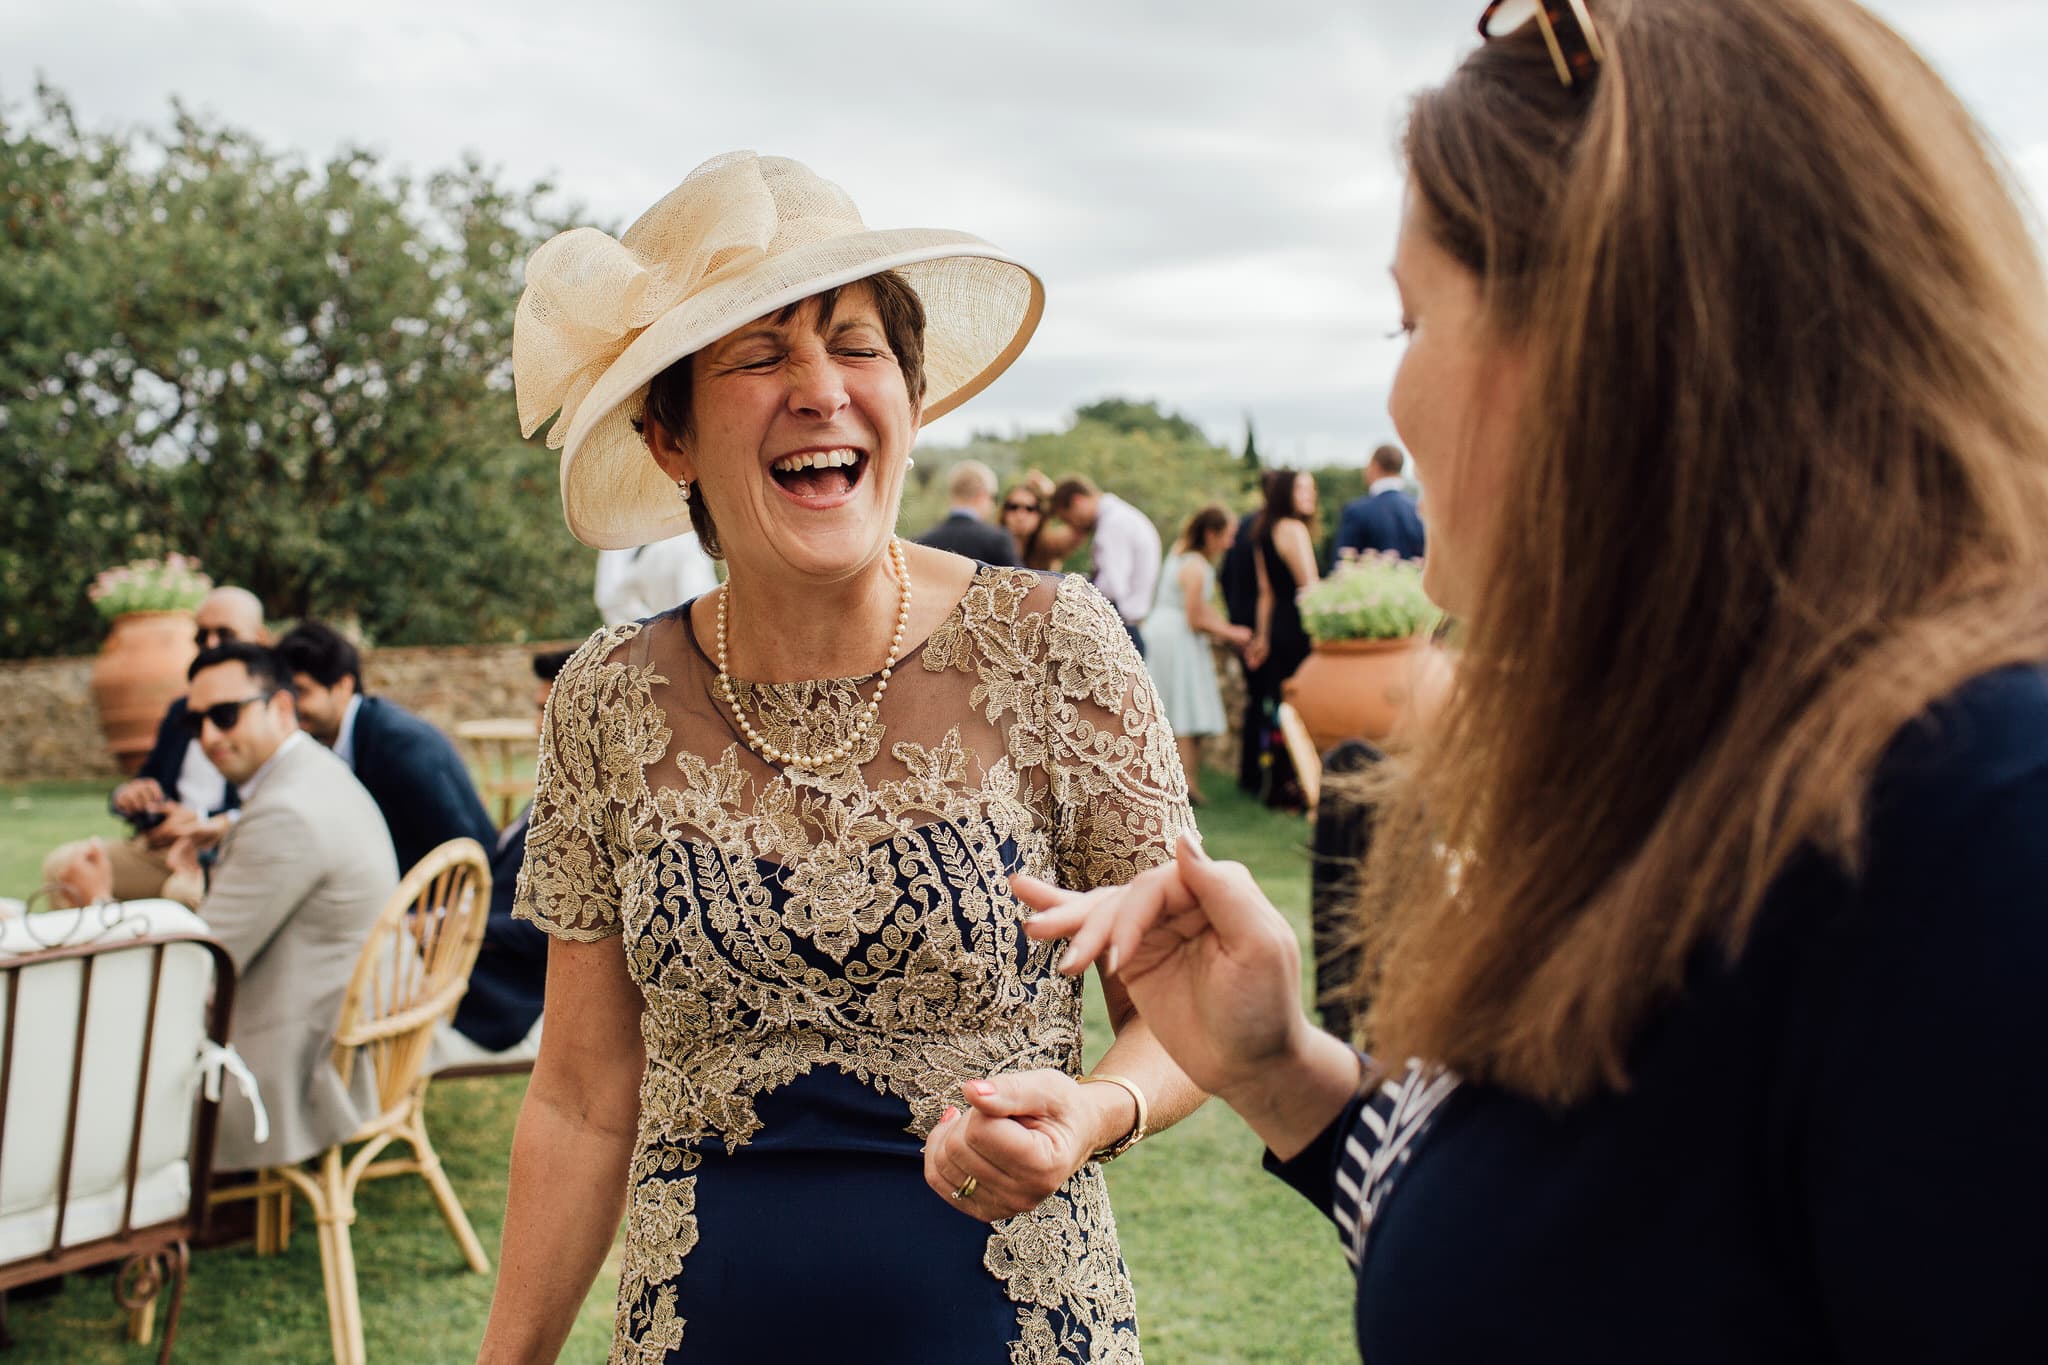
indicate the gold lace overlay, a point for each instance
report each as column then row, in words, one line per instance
column 859, row 918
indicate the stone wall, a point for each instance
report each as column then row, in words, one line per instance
column 50, row 730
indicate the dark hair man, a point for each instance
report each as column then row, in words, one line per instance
column 410, row 768
column 300, row 879
column 1127, row 550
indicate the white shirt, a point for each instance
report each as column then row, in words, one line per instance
column 1127, row 557
column 345, row 739
column 635, row 584
column 1379, row 486
column 255, row 781
column 201, row 787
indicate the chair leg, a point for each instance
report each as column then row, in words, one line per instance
column 344, row 1309
column 142, row 1322
column 181, row 1264
column 444, row 1192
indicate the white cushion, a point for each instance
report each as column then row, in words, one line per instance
column 43, row 1052
column 453, row 1048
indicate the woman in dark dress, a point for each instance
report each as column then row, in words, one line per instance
column 794, row 1031
column 1712, row 910
column 1285, row 539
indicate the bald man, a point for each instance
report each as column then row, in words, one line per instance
column 178, row 794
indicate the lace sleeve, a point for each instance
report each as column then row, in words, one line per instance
column 1119, row 796
column 586, row 772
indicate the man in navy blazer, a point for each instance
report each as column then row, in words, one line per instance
column 411, row 769
column 966, row 530
column 1385, row 518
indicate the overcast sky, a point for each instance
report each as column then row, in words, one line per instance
column 1208, row 187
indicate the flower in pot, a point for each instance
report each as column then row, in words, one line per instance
column 1373, row 668
column 140, row 670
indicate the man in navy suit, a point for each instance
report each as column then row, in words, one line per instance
column 971, row 497
column 412, row 771
column 1385, row 518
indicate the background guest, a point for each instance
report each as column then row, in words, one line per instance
column 1126, row 548
column 635, row 584
column 1042, row 543
column 1177, row 633
column 1284, row 537
column 300, row 879
column 1237, row 578
column 505, row 994
column 411, row 769
column 177, row 793
column 965, row 529
column 1385, row 518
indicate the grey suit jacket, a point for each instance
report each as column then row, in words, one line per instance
column 299, row 881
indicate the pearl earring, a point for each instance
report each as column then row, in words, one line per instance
column 683, row 487
column 910, row 462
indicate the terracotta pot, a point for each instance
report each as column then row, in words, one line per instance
column 1367, row 689
column 140, row 671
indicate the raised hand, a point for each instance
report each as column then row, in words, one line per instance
column 1215, row 971
column 1209, row 963
column 138, row 796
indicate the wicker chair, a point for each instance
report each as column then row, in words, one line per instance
column 412, row 973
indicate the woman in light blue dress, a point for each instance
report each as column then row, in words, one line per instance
column 1177, row 633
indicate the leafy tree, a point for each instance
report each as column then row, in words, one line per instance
column 1252, row 463
column 301, row 377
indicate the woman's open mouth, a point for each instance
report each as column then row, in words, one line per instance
column 820, row 478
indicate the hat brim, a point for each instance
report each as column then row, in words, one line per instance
column 981, row 307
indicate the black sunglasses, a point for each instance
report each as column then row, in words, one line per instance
column 1021, row 507
column 204, row 638
column 1568, row 31
column 225, row 715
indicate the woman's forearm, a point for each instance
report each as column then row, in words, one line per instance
column 1294, row 1100
column 1137, row 1056
column 568, row 1192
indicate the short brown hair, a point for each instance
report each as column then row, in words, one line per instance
column 1782, row 322
column 1388, row 459
column 903, row 322
column 1066, row 490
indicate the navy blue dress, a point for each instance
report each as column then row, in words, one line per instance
column 825, row 958
column 1829, row 1151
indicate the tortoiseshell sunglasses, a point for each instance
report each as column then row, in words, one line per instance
column 1568, row 31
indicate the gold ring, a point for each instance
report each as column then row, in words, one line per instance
column 967, row 1188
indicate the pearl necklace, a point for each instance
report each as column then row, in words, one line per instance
column 789, row 758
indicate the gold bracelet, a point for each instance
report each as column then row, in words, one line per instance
column 1130, row 1139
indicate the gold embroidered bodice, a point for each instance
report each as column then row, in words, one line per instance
column 779, row 923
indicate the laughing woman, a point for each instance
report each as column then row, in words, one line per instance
column 795, row 1031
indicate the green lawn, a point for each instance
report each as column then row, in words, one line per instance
column 1229, row 1264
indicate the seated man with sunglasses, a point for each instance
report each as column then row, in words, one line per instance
column 178, row 794
column 297, row 885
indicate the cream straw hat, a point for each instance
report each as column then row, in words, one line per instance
column 743, row 237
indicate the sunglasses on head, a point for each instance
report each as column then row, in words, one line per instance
column 1568, row 31
column 225, row 715
column 207, row 635
column 1021, row 507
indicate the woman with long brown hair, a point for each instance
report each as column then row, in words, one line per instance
column 1711, row 909
column 1284, row 561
